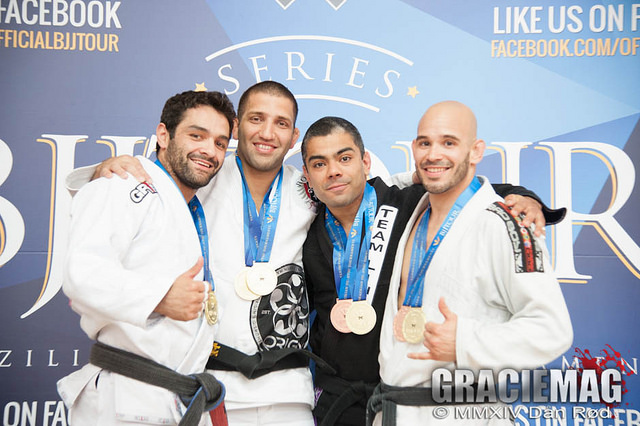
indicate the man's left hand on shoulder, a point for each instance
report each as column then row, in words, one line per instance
column 532, row 210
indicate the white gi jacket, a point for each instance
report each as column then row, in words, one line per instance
column 128, row 243
column 506, row 319
column 279, row 320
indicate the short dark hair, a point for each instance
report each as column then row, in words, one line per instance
column 328, row 125
column 271, row 88
column 176, row 106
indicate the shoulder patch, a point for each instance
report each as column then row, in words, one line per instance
column 526, row 252
column 141, row 190
column 306, row 192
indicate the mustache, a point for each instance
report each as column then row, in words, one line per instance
column 214, row 161
column 336, row 182
column 427, row 163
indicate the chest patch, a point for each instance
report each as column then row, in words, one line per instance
column 281, row 319
column 380, row 236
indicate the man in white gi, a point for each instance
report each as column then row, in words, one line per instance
column 469, row 283
column 258, row 323
column 134, row 273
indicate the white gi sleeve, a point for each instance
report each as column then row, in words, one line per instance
column 401, row 180
column 539, row 329
column 78, row 178
column 101, row 279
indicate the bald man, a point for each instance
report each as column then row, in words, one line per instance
column 471, row 283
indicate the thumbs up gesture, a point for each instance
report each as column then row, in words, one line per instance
column 440, row 339
column 183, row 301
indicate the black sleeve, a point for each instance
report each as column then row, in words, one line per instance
column 310, row 251
column 551, row 216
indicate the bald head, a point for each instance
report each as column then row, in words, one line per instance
column 449, row 118
column 446, row 149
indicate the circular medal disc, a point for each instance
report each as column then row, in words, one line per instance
column 413, row 325
column 262, row 279
column 240, row 284
column 338, row 315
column 211, row 308
column 361, row 317
column 397, row 323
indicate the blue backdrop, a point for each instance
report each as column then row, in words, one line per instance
column 555, row 85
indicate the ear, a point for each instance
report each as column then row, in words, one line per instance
column 306, row 173
column 366, row 159
column 163, row 136
column 477, row 151
column 234, row 131
column 294, row 137
column 414, row 148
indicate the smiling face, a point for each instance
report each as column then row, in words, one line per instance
column 336, row 170
column 197, row 150
column 265, row 131
column 446, row 150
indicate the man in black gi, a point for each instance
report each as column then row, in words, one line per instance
column 336, row 167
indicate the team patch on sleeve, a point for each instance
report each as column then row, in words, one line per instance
column 140, row 191
column 306, row 193
column 526, row 252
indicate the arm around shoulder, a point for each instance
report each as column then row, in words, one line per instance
column 122, row 166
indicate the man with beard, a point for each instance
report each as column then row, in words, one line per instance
column 137, row 273
column 470, row 283
column 348, row 259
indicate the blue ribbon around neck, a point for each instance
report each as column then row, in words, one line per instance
column 351, row 253
column 260, row 229
column 197, row 214
column 420, row 256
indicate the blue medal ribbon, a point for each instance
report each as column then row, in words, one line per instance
column 420, row 256
column 260, row 229
column 351, row 253
column 197, row 214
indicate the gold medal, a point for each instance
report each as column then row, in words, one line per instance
column 240, row 284
column 413, row 325
column 338, row 315
column 211, row 308
column 261, row 279
column 361, row 317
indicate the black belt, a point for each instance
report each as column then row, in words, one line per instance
column 253, row 366
column 199, row 392
column 386, row 398
column 339, row 398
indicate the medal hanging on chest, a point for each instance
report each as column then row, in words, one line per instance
column 410, row 320
column 361, row 317
column 352, row 312
column 211, row 301
column 259, row 278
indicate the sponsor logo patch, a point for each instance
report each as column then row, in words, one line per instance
column 140, row 191
column 281, row 319
column 527, row 254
